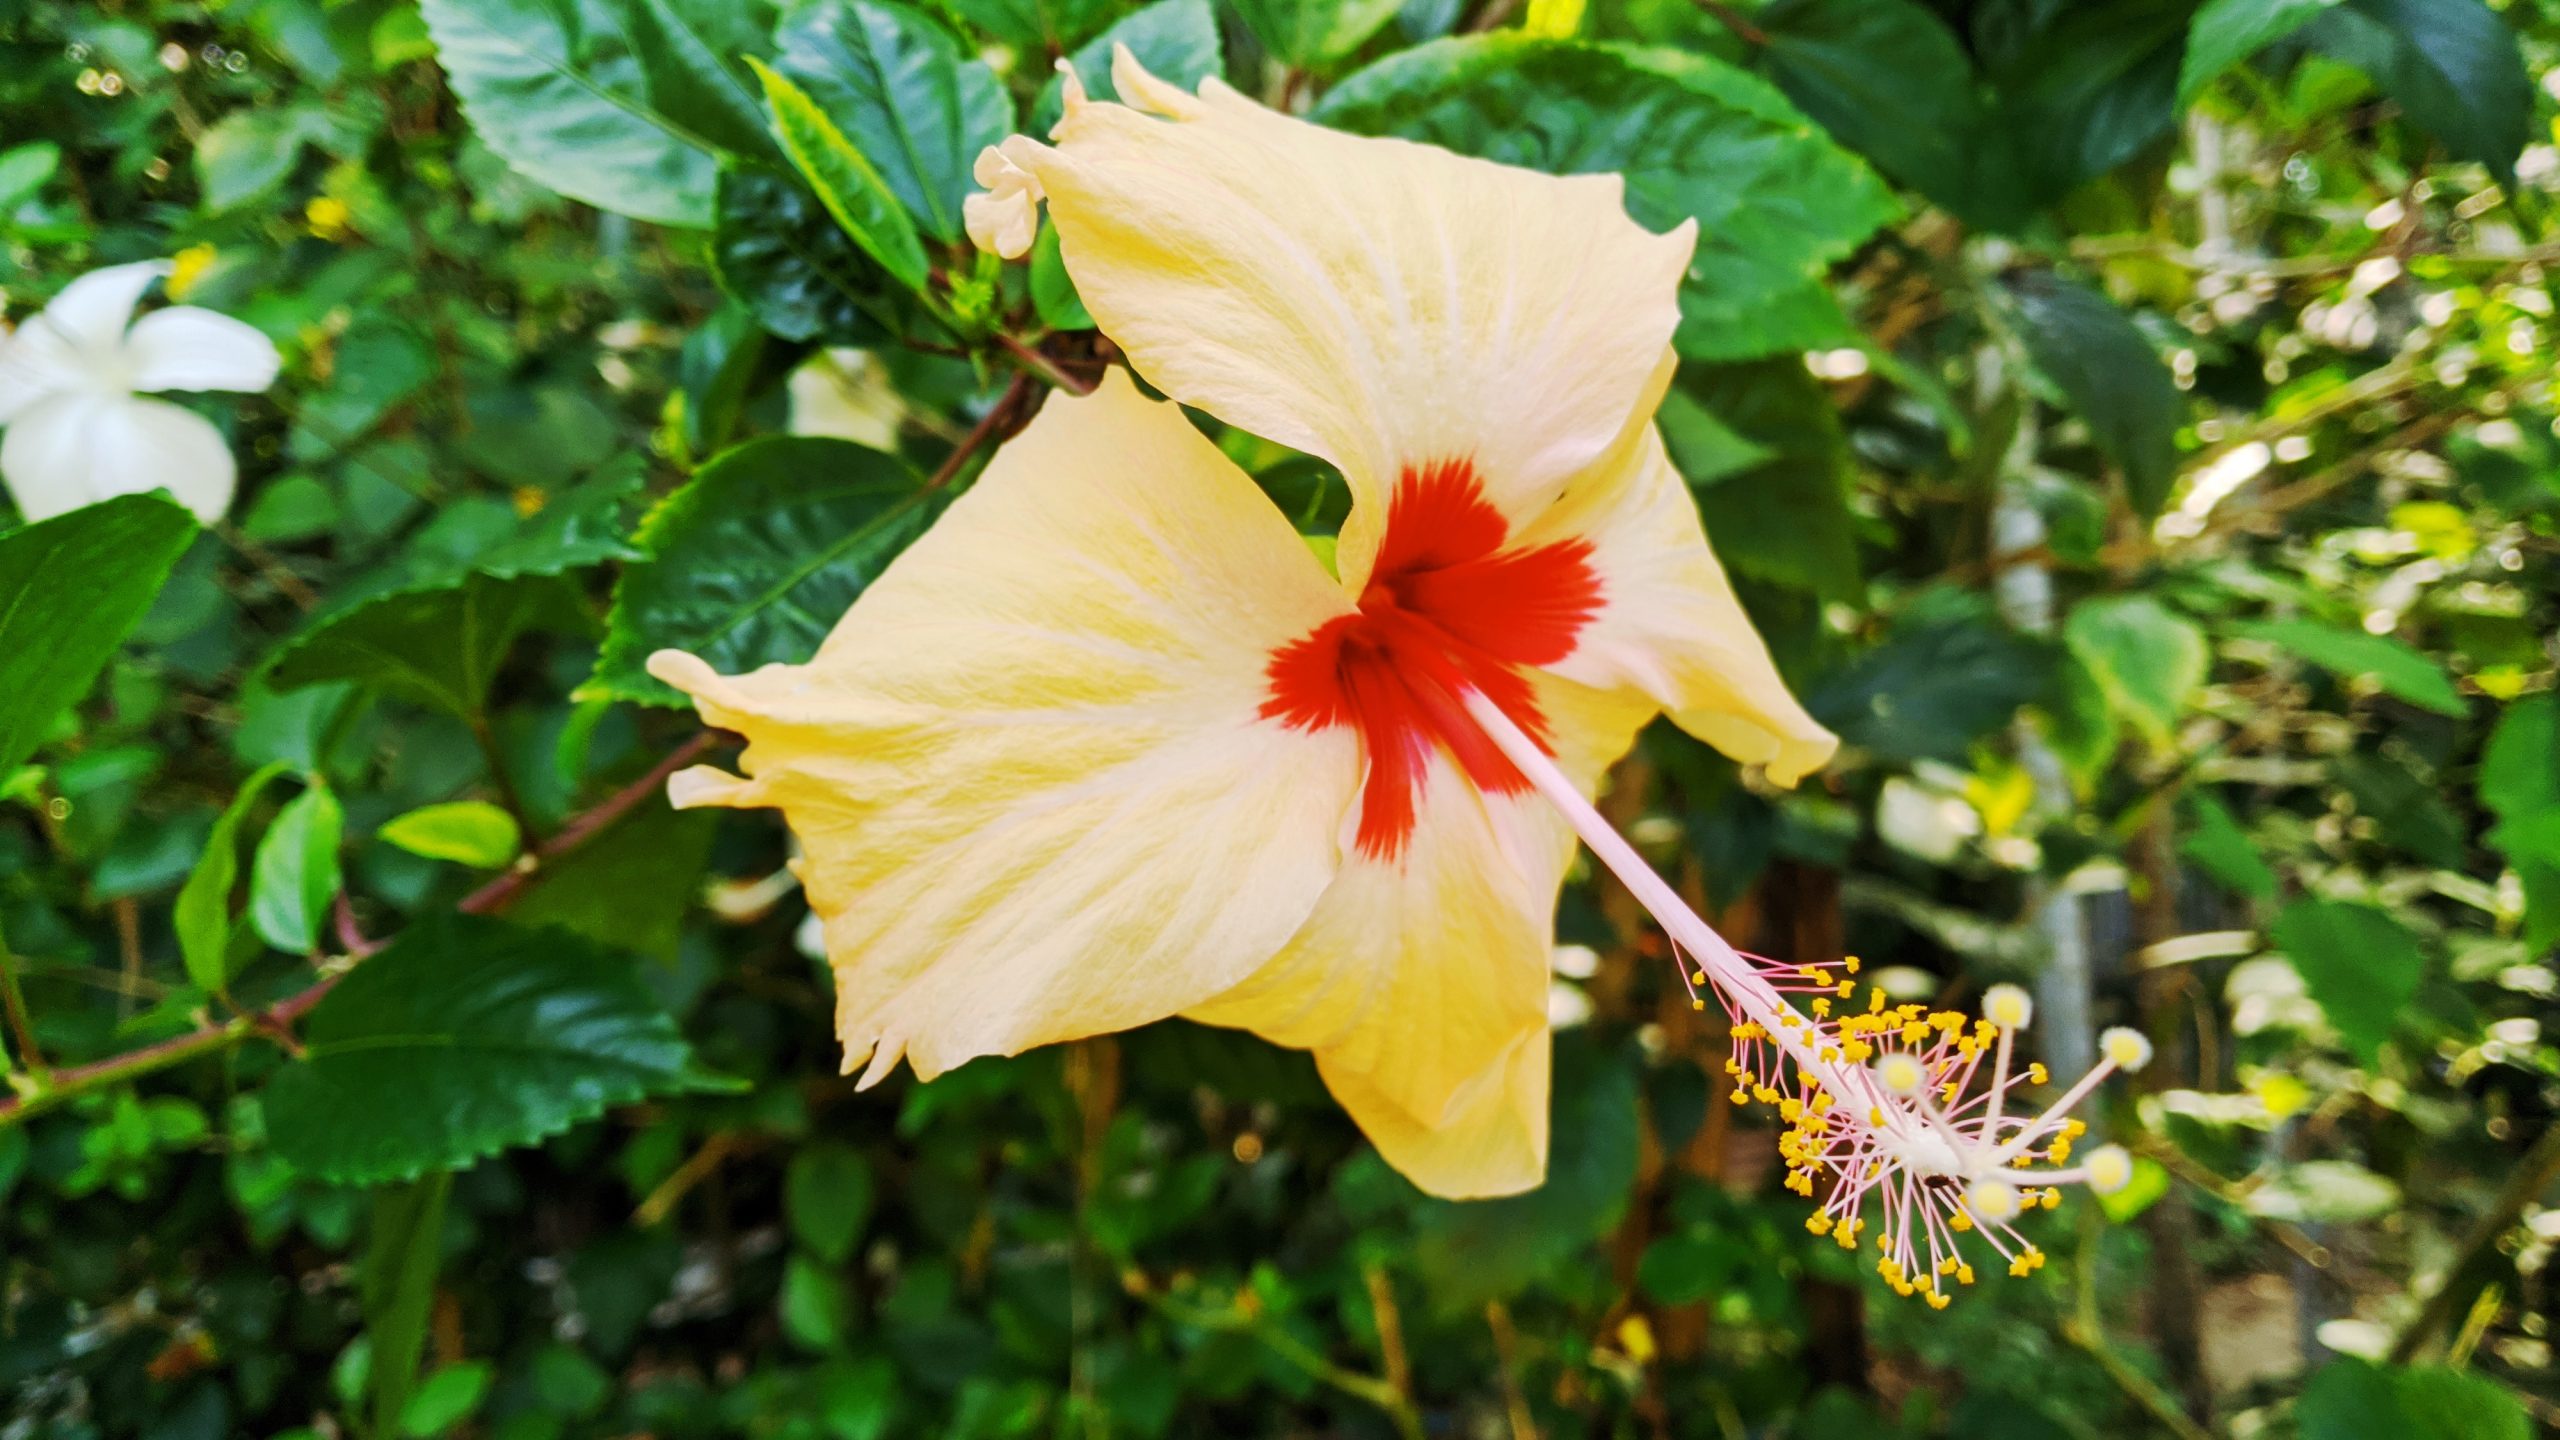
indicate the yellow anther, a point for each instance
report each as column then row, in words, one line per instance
column 1818, row 1224
column 2038, row 1075
column 1821, row 1006
column 2061, row 1150
column 1791, row 1110
column 1937, row 1300
column 2074, row 1129
column 1697, row 1004
column 1849, row 963
column 1964, row 1274
column 1959, row 1222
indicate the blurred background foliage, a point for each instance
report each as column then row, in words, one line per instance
column 2131, row 422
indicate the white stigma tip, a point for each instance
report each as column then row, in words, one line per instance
column 1901, row 1074
column 2128, row 1049
column 2110, row 1169
column 2007, row 1006
column 1992, row 1203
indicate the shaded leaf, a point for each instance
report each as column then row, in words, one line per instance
column 2355, row 1399
column 2217, row 843
column 1892, row 82
column 757, row 559
column 438, row 646
column 76, row 584
column 1933, row 688
column 2452, row 65
column 775, row 249
column 462, row 1038
column 1177, row 40
column 1784, row 520
column 692, row 53
column 2227, row 32
column 2361, row 966
column 397, row 1286
column 1311, row 34
column 826, row 1195
column 2109, row 375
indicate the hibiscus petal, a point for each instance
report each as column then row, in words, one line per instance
column 1029, row 771
column 1379, row 303
column 186, row 348
column 1421, row 981
column 71, row 450
column 1669, row 626
column 93, row 311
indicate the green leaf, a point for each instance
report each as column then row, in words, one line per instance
column 249, row 152
column 566, row 103
column 588, row 524
column 1476, row 1250
column 816, row 1312
column 1177, row 40
column 296, row 873
column 2227, row 32
column 203, row 912
column 2355, row 1399
column 2109, row 375
column 438, row 646
column 692, row 52
column 1053, row 290
column 2519, row 782
column 75, row 584
column 826, row 1194
column 2398, row 668
column 1944, row 679
column 2324, row 1192
column 1891, row 81
column 462, row 1038
column 2453, row 66
column 2226, row 852
column 2361, row 966
column 904, row 96
column 1311, row 34
column 757, row 559
column 466, row 832
column 397, row 1288
column 2096, row 88
column 24, row 169
column 2150, row 1181
column 853, row 192
column 447, row 1398
column 1784, row 520
column 1775, row 200
column 629, row 887
column 776, row 250
column 2148, row 661
column 1049, row 26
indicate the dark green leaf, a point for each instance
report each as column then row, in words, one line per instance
column 846, row 182
column 757, row 559
column 1053, row 290
column 2453, row 65
column 2361, row 965
column 75, row 585
column 1775, row 200
column 692, row 54
column 398, row 1287
column 826, row 1194
column 1937, row 685
column 1054, row 26
column 203, row 912
column 462, row 1038
column 296, row 872
column 2520, row 783
column 629, row 887
column 1891, row 81
column 2358, row 1400
column 2227, row 32
column 1177, row 40
column 1311, row 34
column 446, row 1399
column 779, row 252
column 1785, row 520
column 2093, row 91
column 904, row 94
column 438, row 646
column 250, row 152
column 569, row 106
column 2109, row 375
column 2399, row 669
column 1483, row 1249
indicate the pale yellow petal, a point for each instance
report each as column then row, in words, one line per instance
column 1420, row 982
column 1379, row 303
column 1035, row 793
column 1669, row 626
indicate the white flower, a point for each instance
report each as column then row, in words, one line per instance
column 71, row 381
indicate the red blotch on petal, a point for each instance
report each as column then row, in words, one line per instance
column 1448, row 609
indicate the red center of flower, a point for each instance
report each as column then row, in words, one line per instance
column 1448, row 609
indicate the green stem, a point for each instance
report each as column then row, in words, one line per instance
column 1040, row 366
